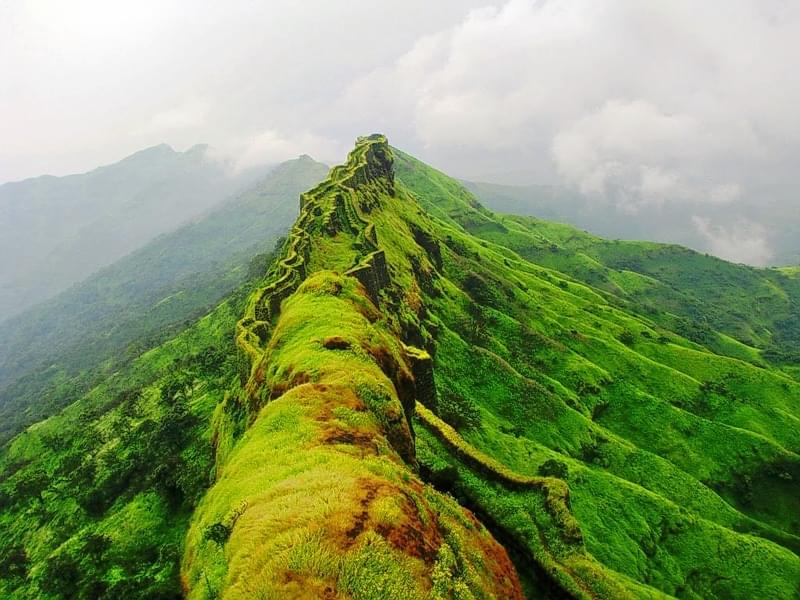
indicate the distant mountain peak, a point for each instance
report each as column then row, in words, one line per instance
column 157, row 150
column 200, row 149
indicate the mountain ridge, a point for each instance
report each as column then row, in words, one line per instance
column 450, row 420
column 700, row 296
column 60, row 230
column 141, row 298
column 667, row 221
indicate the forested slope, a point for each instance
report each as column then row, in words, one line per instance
column 49, row 353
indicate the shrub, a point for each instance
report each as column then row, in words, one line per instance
column 211, row 360
column 458, row 412
column 60, row 573
column 477, row 324
column 217, row 533
column 96, row 545
column 554, row 468
column 480, row 290
column 13, row 562
column 627, row 338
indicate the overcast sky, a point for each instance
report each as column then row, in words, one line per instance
column 658, row 101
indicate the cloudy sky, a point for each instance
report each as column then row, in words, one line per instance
column 649, row 103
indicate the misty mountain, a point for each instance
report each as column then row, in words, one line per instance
column 141, row 299
column 55, row 231
column 761, row 231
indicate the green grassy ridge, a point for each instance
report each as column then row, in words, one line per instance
column 578, row 301
column 692, row 293
column 51, row 352
column 292, row 267
column 326, row 496
column 681, row 465
column 346, row 516
column 557, row 310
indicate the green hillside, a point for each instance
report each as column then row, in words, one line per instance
column 56, row 231
column 95, row 501
column 740, row 311
column 48, row 353
column 605, row 215
column 419, row 405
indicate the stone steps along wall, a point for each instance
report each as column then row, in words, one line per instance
column 369, row 162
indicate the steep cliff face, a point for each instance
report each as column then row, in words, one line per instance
column 321, row 496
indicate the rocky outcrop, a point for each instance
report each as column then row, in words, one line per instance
column 372, row 273
column 422, row 370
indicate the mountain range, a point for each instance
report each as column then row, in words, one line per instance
column 56, row 231
column 51, row 351
column 761, row 230
column 414, row 396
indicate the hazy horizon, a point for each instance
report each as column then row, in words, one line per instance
column 666, row 111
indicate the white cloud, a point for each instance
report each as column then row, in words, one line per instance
column 660, row 101
column 271, row 147
column 743, row 242
column 649, row 154
column 189, row 114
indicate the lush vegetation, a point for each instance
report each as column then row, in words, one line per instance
column 318, row 497
column 421, row 403
column 56, row 231
column 94, row 502
column 686, row 450
column 739, row 311
column 49, row 354
column 610, row 215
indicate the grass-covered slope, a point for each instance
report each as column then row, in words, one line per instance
column 741, row 311
column 415, row 408
column 95, row 501
column 687, row 452
column 48, row 353
column 320, row 497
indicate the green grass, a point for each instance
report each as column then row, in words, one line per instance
column 329, row 505
column 430, row 400
column 96, row 500
column 51, row 352
column 654, row 427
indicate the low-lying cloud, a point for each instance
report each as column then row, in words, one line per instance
column 743, row 242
